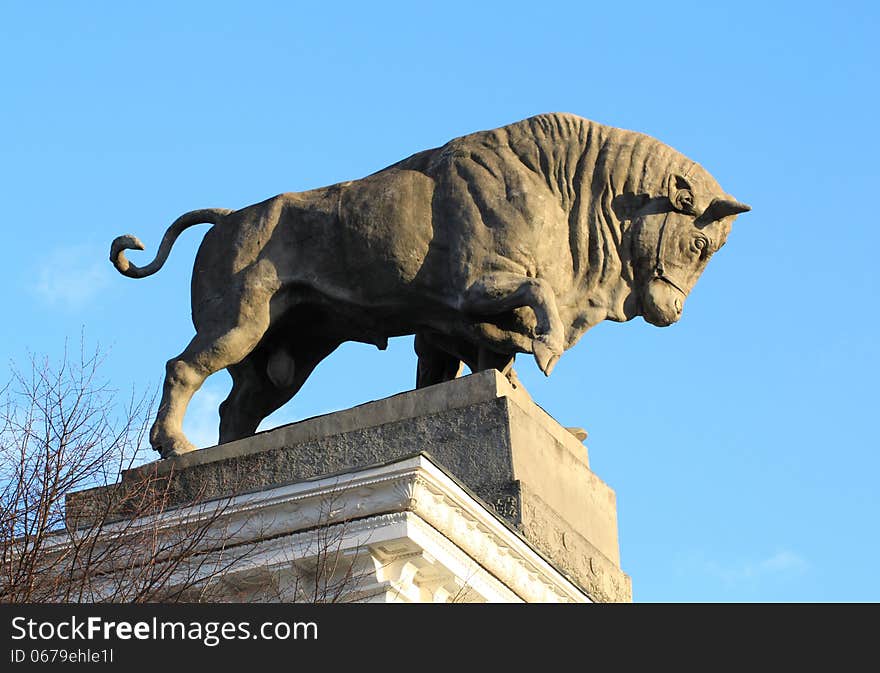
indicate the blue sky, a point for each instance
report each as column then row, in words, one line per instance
column 741, row 442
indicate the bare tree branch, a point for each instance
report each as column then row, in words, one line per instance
column 63, row 430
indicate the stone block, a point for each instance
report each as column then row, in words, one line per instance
column 487, row 435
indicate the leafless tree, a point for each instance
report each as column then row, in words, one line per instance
column 63, row 431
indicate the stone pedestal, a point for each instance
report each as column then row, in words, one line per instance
column 465, row 490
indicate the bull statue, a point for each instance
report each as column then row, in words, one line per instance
column 515, row 240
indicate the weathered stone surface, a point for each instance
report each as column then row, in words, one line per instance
column 515, row 240
column 572, row 552
column 488, row 435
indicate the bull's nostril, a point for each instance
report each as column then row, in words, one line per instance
column 678, row 304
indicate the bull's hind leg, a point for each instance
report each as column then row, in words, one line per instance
column 436, row 364
column 441, row 359
column 265, row 381
column 501, row 292
column 503, row 362
column 217, row 345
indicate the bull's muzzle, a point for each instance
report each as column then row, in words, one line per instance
column 663, row 303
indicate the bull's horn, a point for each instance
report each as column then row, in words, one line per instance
column 722, row 207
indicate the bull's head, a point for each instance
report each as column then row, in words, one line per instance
column 675, row 236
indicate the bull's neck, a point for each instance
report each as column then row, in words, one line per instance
column 599, row 238
column 614, row 167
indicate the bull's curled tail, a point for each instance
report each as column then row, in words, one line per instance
column 129, row 242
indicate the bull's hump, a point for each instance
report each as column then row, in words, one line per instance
column 566, row 126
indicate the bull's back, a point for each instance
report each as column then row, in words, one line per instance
column 365, row 240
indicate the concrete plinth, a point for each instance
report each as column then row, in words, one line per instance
column 515, row 464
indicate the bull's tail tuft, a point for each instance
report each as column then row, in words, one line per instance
column 117, row 254
column 129, row 242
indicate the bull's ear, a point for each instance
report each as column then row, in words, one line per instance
column 722, row 207
column 681, row 194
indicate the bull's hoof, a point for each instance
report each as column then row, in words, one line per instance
column 169, row 447
column 545, row 356
column 178, row 449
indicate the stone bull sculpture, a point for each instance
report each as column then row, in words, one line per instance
column 515, row 240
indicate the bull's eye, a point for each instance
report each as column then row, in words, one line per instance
column 698, row 245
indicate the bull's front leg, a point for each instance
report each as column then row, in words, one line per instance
column 500, row 292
